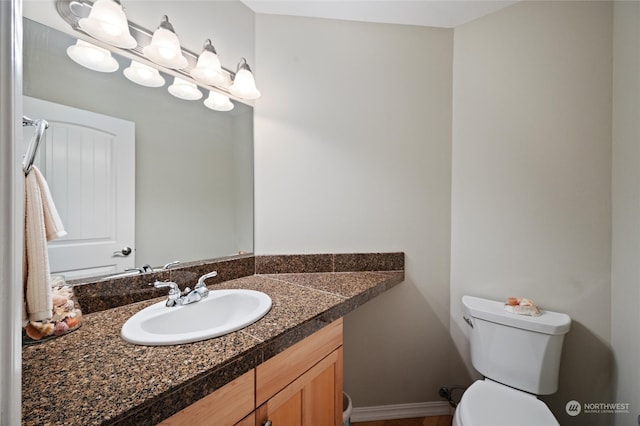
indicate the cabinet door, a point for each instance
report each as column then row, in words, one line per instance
column 278, row 372
column 250, row 420
column 288, row 411
column 314, row 399
column 224, row 407
column 319, row 397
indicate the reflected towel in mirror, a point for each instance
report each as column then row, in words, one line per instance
column 42, row 223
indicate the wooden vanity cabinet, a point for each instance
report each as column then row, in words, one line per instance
column 301, row 386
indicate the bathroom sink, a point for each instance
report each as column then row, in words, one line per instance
column 222, row 312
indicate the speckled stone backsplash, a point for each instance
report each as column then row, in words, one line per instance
column 96, row 296
column 305, row 263
column 110, row 293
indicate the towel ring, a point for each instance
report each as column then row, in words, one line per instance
column 30, row 156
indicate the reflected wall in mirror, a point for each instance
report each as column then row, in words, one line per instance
column 193, row 165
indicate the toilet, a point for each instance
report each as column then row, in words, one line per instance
column 519, row 357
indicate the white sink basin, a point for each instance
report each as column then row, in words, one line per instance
column 222, row 312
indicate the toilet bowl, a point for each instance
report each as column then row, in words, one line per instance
column 519, row 356
column 487, row 403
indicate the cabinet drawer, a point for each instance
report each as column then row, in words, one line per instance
column 276, row 373
column 226, row 406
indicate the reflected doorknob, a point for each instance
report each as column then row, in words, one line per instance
column 124, row 252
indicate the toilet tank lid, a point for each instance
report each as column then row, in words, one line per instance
column 490, row 310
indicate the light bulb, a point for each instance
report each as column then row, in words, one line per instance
column 108, row 23
column 208, row 69
column 184, row 90
column 244, row 85
column 218, row 102
column 165, row 47
column 93, row 57
column 143, row 74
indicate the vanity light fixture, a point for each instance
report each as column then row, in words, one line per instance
column 152, row 53
column 218, row 102
column 165, row 47
column 108, row 23
column 244, row 85
column 185, row 90
column 93, row 57
column 208, row 69
column 143, row 74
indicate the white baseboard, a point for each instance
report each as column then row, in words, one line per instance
column 401, row 411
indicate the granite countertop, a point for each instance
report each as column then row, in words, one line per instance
column 92, row 376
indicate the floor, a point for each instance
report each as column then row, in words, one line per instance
column 420, row 421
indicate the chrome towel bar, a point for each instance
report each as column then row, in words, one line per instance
column 29, row 157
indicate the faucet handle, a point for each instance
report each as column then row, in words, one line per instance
column 201, row 287
column 171, row 264
column 161, row 284
column 204, row 277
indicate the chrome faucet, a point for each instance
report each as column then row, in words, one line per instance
column 188, row 296
column 191, row 296
column 174, row 292
column 141, row 270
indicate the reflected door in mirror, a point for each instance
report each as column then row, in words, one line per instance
column 88, row 160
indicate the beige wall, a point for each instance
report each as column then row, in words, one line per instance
column 352, row 154
column 626, row 208
column 531, row 197
column 343, row 163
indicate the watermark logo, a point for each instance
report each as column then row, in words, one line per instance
column 573, row 408
column 606, row 407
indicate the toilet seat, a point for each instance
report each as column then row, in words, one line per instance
column 487, row 403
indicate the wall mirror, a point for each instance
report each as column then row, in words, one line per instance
column 193, row 166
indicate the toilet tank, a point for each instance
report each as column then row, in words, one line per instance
column 517, row 350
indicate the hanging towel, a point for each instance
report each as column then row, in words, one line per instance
column 42, row 223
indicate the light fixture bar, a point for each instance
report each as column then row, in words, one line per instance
column 74, row 10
